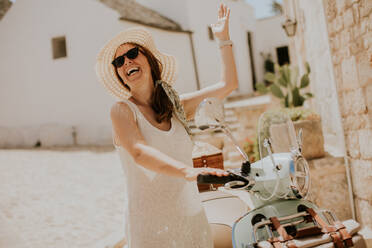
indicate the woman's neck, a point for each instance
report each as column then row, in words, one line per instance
column 143, row 96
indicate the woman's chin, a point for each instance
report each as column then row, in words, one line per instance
column 133, row 79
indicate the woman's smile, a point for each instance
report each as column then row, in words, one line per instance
column 133, row 72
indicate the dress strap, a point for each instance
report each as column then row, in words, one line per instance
column 134, row 109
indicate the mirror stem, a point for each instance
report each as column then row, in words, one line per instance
column 228, row 133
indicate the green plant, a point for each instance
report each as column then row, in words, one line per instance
column 268, row 65
column 250, row 147
column 286, row 86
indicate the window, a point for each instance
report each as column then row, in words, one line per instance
column 210, row 33
column 282, row 55
column 59, row 47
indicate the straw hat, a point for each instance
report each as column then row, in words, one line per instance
column 138, row 35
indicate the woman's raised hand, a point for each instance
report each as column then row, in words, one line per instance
column 221, row 27
column 191, row 174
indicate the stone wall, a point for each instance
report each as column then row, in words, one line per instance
column 335, row 37
column 350, row 38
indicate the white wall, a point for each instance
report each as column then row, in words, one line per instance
column 268, row 35
column 41, row 98
column 197, row 15
column 322, row 81
column 203, row 14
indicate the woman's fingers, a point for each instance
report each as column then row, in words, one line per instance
column 224, row 10
column 212, row 171
column 192, row 173
column 220, row 11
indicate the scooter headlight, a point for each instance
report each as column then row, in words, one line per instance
column 300, row 177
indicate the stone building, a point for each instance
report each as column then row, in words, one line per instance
column 335, row 37
column 56, row 99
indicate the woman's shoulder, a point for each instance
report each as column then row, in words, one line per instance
column 122, row 110
column 119, row 107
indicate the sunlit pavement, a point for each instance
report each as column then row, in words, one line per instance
column 60, row 198
column 63, row 198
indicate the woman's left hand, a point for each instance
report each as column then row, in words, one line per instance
column 221, row 27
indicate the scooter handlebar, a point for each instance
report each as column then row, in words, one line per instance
column 207, row 179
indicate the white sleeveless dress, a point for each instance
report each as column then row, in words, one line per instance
column 162, row 211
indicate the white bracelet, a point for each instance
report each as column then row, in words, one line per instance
column 222, row 43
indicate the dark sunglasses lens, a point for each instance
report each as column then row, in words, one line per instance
column 119, row 61
column 132, row 53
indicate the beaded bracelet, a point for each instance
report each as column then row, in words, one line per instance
column 222, row 43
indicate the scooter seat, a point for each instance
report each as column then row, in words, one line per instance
column 222, row 208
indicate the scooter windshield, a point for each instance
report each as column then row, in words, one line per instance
column 276, row 133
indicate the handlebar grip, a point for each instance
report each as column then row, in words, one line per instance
column 207, row 179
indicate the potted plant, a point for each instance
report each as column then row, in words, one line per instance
column 286, row 85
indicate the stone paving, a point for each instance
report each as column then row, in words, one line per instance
column 61, row 198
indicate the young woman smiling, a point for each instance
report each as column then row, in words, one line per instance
column 163, row 208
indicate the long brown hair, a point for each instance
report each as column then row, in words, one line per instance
column 160, row 102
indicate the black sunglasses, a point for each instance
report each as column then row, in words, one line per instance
column 131, row 54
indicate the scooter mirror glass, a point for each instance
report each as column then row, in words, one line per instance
column 210, row 114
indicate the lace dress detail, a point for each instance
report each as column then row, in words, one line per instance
column 162, row 211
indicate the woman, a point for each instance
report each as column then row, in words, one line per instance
column 163, row 208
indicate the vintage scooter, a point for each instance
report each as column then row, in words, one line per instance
column 275, row 187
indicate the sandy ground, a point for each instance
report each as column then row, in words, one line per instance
column 63, row 198
column 60, row 198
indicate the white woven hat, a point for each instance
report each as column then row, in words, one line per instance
column 138, row 35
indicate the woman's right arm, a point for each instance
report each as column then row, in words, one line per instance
column 131, row 139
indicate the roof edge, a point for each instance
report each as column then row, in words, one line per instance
column 177, row 30
column 4, row 7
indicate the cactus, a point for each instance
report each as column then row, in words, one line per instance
column 285, row 85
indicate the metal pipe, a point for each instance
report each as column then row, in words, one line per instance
column 350, row 186
column 194, row 61
column 228, row 133
column 268, row 222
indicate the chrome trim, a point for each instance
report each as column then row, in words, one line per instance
column 295, row 173
column 266, row 223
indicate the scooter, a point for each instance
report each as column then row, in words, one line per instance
column 276, row 188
